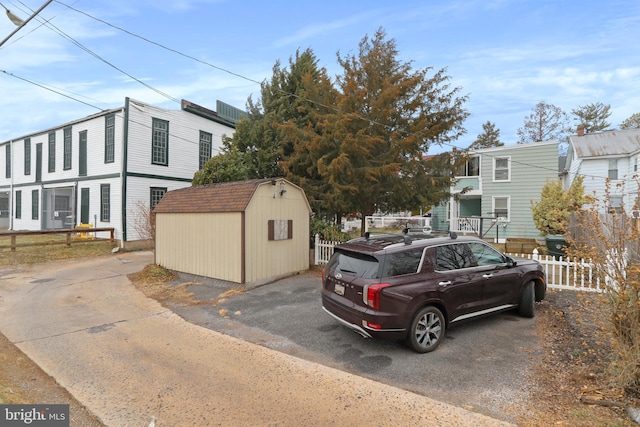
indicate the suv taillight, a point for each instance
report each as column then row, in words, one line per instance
column 372, row 294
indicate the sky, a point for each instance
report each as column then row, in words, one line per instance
column 505, row 55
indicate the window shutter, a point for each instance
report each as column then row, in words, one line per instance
column 271, row 229
column 290, row 229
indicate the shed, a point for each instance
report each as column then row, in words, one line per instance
column 244, row 231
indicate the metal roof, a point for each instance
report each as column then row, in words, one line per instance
column 609, row 143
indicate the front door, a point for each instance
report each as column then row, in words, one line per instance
column 84, row 206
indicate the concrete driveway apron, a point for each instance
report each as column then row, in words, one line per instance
column 129, row 360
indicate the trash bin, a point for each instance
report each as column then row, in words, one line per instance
column 556, row 243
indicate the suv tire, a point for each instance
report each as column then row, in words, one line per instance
column 527, row 301
column 426, row 330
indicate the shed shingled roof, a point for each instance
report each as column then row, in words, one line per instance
column 222, row 197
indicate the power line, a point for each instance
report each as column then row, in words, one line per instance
column 50, row 89
column 175, row 51
column 95, row 55
column 159, row 44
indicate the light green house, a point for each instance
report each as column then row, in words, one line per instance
column 493, row 192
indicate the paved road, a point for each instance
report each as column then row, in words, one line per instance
column 128, row 359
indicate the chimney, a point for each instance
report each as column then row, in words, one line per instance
column 580, row 131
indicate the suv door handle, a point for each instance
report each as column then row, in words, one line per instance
column 487, row 276
column 447, row 283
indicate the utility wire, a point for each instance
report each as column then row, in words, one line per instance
column 159, row 45
column 78, row 44
column 40, row 85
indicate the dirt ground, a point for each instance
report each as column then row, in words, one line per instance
column 568, row 385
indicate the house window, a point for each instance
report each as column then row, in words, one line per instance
column 27, row 156
column 613, row 169
column 66, row 156
column 82, row 154
column 52, row 151
column 18, row 211
column 160, row 143
column 8, row 160
column 615, row 204
column 501, row 169
column 109, row 137
column 471, row 167
column 35, row 205
column 205, row 148
column 105, row 202
column 501, row 207
column 156, row 195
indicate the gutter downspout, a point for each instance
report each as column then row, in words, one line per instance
column 125, row 150
column 11, row 195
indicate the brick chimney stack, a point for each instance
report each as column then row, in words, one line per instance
column 580, row 131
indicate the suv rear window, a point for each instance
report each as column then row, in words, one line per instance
column 354, row 264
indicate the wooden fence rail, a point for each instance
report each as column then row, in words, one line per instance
column 73, row 235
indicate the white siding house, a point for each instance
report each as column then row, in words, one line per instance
column 610, row 156
column 107, row 169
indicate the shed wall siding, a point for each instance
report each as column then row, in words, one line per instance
column 202, row 244
column 265, row 258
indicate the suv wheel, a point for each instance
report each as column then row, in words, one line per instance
column 427, row 330
column 527, row 301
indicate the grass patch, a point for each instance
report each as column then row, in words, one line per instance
column 50, row 248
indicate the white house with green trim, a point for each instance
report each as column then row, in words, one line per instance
column 493, row 191
column 108, row 168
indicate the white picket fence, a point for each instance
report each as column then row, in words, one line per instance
column 561, row 273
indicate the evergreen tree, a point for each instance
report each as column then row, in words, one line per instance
column 387, row 117
column 631, row 122
column 259, row 136
column 490, row 137
column 230, row 165
column 592, row 117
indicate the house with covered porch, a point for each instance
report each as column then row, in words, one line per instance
column 493, row 191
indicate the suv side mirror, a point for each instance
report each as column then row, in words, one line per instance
column 511, row 262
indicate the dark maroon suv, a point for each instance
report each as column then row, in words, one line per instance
column 413, row 286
